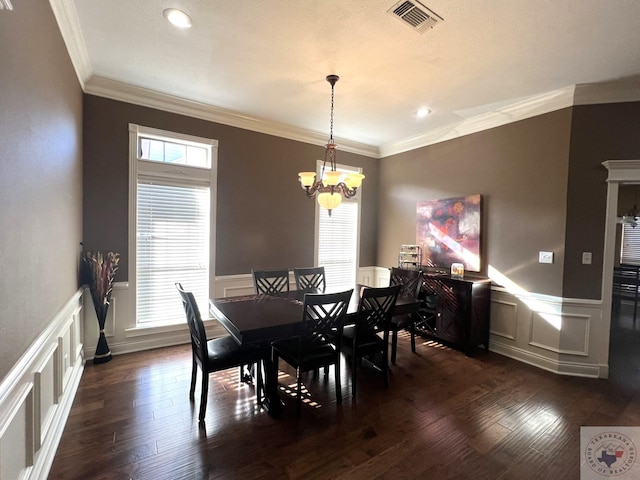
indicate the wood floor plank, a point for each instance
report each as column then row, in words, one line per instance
column 444, row 416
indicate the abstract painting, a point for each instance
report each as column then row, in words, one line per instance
column 448, row 231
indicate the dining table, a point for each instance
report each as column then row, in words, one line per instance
column 261, row 319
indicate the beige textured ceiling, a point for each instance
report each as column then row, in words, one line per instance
column 267, row 59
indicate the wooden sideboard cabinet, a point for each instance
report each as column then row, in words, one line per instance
column 460, row 313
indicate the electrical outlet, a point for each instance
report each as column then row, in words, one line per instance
column 586, row 258
column 545, row 257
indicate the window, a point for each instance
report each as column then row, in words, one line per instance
column 172, row 217
column 630, row 251
column 337, row 240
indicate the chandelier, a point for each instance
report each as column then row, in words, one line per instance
column 331, row 186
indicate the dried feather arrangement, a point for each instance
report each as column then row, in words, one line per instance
column 99, row 270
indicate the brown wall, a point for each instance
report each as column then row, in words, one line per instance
column 521, row 171
column 598, row 133
column 263, row 218
column 41, row 176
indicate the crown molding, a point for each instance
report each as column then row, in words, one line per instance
column 581, row 94
column 531, row 107
column 69, row 25
column 104, row 87
column 607, row 92
column 626, row 90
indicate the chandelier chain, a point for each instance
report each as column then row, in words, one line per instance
column 331, row 123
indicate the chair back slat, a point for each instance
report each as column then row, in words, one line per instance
column 194, row 320
column 410, row 281
column 324, row 312
column 310, row 280
column 376, row 308
column 270, row 282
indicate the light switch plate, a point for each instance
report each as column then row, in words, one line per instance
column 545, row 257
column 586, row 258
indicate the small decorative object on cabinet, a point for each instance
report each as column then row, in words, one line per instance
column 409, row 257
column 456, row 310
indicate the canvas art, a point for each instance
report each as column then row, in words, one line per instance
column 448, row 231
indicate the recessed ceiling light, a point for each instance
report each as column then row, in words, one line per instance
column 423, row 112
column 177, row 17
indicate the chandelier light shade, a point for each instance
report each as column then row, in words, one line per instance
column 331, row 187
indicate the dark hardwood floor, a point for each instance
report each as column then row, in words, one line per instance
column 445, row 416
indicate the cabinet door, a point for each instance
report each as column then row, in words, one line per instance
column 453, row 324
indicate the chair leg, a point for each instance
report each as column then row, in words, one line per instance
column 203, row 395
column 412, row 329
column 194, row 372
column 336, row 368
column 385, row 368
column 260, row 386
column 354, row 370
column 394, row 346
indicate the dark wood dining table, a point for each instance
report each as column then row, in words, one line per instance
column 260, row 319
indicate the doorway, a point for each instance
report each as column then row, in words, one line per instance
column 621, row 332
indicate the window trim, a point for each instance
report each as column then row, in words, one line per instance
column 356, row 199
column 144, row 168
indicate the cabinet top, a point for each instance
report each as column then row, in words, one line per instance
column 467, row 278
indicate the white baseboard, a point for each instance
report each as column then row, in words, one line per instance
column 545, row 363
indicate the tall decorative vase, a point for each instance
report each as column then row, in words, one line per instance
column 103, row 353
column 99, row 271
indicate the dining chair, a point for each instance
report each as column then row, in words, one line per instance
column 216, row 354
column 369, row 335
column 318, row 344
column 310, row 279
column 270, row 282
column 410, row 282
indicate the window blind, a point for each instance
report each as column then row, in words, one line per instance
column 172, row 246
column 337, row 248
column 630, row 251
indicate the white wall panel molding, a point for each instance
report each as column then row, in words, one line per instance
column 571, row 339
column 238, row 285
column 37, row 394
column 553, row 333
column 504, row 319
column 16, row 435
column 46, row 396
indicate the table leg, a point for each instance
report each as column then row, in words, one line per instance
column 272, row 397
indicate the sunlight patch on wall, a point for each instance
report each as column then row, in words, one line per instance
column 551, row 313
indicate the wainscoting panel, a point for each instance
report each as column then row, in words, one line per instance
column 37, row 394
column 504, row 319
column 553, row 333
column 16, row 435
column 45, row 387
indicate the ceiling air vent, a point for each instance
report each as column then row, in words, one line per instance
column 416, row 15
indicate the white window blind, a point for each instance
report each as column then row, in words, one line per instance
column 337, row 245
column 172, row 246
column 630, row 251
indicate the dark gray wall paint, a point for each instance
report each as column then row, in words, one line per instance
column 41, row 176
column 598, row 133
column 263, row 218
column 521, row 171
